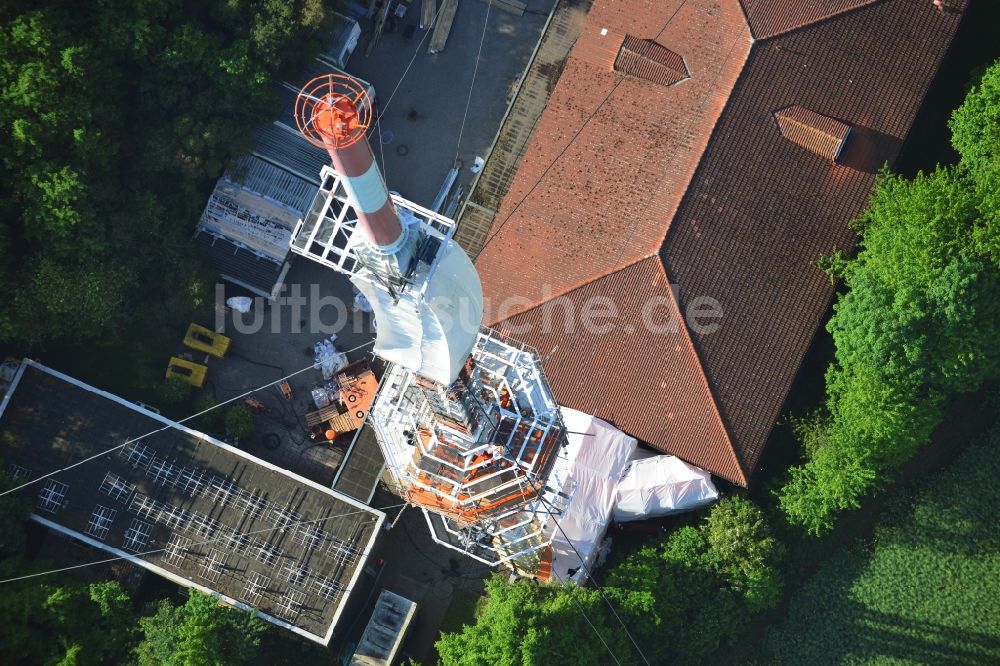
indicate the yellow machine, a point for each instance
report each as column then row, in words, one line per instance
column 192, row 373
column 206, row 340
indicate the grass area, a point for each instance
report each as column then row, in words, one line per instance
column 923, row 591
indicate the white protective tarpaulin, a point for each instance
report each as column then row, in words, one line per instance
column 432, row 333
column 589, row 468
column 661, row 485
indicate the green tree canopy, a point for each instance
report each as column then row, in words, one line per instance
column 200, row 632
column 684, row 595
column 113, row 123
column 69, row 623
column 695, row 590
column 522, row 623
column 918, row 322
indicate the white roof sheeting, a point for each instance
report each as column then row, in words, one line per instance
column 272, row 182
column 589, row 468
column 662, row 485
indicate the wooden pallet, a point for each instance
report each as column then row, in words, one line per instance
column 442, row 27
column 428, row 10
column 321, row 415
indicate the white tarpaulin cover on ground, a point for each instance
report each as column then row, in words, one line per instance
column 661, row 485
column 595, row 458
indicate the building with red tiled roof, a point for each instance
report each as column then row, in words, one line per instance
column 697, row 157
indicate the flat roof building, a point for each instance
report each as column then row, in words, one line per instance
column 183, row 505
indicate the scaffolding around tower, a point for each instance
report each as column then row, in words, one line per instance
column 467, row 423
column 476, row 455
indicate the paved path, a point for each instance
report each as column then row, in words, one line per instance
column 424, row 118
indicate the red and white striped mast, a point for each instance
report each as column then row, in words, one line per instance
column 334, row 112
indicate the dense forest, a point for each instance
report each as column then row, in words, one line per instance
column 117, row 115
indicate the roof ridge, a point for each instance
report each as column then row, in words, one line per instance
column 862, row 4
column 746, row 20
column 704, row 378
column 708, row 141
column 579, row 285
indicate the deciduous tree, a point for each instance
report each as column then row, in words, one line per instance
column 198, row 633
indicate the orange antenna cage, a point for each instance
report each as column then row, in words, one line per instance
column 333, row 111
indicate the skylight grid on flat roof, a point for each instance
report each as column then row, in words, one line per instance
column 116, row 487
column 203, row 525
column 192, row 481
column 265, row 553
column 342, row 552
column 255, row 587
column 100, row 522
column 137, row 454
column 213, row 565
column 282, row 518
column 18, row 472
column 137, row 535
column 130, row 511
column 144, row 506
column 295, row 573
column 291, row 605
column 309, row 536
column 251, row 504
column 326, row 587
column 52, row 496
column 223, row 490
column 174, row 517
column 162, row 472
column 176, row 550
column 234, row 540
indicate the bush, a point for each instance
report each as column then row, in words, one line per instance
column 682, row 596
column 239, row 421
column 697, row 589
column 524, row 623
column 212, row 421
column 199, row 632
column 917, row 325
column 68, row 623
column 173, row 391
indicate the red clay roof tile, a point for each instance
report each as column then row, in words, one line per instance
column 642, row 373
column 768, row 18
column 699, row 175
column 579, row 209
